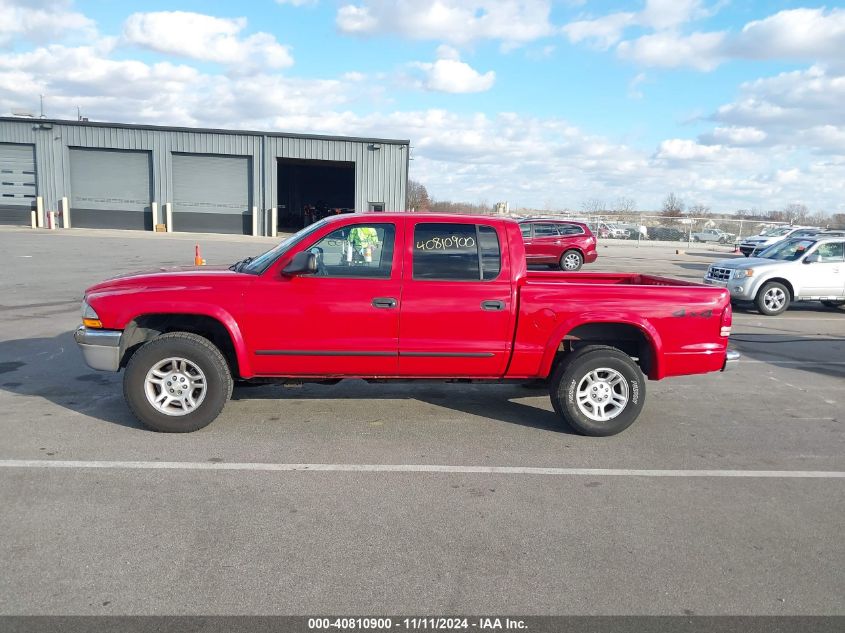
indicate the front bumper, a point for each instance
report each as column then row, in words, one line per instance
column 731, row 360
column 100, row 348
column 740, row 289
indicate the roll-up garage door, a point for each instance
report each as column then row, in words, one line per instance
column 211, row 194
column 17, row 183
column 110, row 189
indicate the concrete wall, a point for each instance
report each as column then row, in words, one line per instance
column 381, row 165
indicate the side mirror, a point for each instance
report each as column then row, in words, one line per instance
column 303, row 263
column 811, row 259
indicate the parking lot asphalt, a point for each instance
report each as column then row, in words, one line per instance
column 136, row 522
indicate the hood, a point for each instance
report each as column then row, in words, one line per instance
column 741, row 263
column 760, row 238
column 164, row 276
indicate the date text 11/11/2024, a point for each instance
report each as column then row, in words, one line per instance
column 416, row 624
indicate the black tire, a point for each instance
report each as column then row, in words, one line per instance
column 199, row 351
column 573, row 369
column 763, row 298
column 572, row 254
column 833, row 304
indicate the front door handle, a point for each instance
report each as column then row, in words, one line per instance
column 493, row 305
column 384, row 302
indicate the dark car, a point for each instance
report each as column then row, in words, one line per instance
column 560, row 243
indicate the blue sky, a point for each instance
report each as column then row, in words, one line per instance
column 545, row 103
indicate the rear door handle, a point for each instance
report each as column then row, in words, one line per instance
column 492, row 305
column 384, row 302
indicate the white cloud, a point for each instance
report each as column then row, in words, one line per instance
column 678, row 149
column 512, row 22
column 735, row 135
column 814, row 34
column 797, row 34
column 449, row 74
column 36, row 20
column 659, row 15
column 791, row 100
column 207, row 38
column 297, row 3
column 668, row 14
column 602, row 32
column 668, row 50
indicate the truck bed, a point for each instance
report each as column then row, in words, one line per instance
column 628, row 279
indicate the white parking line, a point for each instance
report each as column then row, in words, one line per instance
column 420, row 468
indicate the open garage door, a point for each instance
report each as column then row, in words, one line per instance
column 211, row 194
column 312, row 189
column 17, row 183
column 110, row 189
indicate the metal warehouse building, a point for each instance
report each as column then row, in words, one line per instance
column 109, row 175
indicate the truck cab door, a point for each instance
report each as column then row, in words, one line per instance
column 458, row 306
column 342, row 320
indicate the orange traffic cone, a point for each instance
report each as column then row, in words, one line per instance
column 198, row 260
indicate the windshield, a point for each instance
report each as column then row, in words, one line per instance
column 262, row 262
column 787, row 251
column 776, row 231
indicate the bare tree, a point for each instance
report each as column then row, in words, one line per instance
column 673, row 206
column 418, row 199
column 699, row 210
column 796, row 212
column 837, row 221
column 624, row 205
column 592, row 206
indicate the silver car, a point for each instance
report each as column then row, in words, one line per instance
column 798, row 269
column 757, row 243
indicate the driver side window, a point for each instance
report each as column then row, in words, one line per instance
column 356, row 250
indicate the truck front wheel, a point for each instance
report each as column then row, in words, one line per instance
column 177, row 383
column 598, row 390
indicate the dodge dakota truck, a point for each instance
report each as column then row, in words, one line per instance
column 400, row 296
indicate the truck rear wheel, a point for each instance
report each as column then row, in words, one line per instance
column 177, row 383
column 598, row 390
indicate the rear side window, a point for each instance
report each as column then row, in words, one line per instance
column 456, row 252
column 544, row 230
column 570, row 229
column 491, row 253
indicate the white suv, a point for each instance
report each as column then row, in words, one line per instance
column 797, row 269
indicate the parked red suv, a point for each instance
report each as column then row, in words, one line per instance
column 561, row 243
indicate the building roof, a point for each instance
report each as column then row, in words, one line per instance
column 165, row 128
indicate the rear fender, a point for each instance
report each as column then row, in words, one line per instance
column 563, row 329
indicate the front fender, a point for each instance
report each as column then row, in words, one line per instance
column 200, row 309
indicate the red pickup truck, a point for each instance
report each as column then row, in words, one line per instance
column 400, row 296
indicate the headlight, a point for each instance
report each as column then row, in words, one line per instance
column 742, row 273
column 89, row 317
